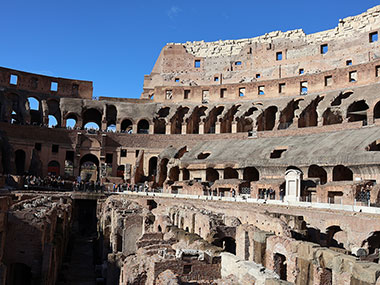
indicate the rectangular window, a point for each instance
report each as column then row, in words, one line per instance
column 373, row 37
column 279, row 55
column 37, row 146
column 137, row 152
column 349, row 62
column 353, row 76
column 324, row 49
column 281, row 88
column 241, row 92
column 238, row 63
column 55, row 148
column 54, row 86
column 109, row 157
column 261, row 90
column 328, row 80
column 13, row 79
column 187, row 269
column 197, row 63
column 223, row 93
column 378, row 71
column 205, row 96
column 123, row 153
column 303, row 86
column 176, row 79
column 169, row 94
column 258, row 75
column 186, row 94
column 301, row 71
column 216, row 78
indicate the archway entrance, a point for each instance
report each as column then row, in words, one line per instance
column 20, row 161
column 280, row 265
column 89, row 168
column 53, row 168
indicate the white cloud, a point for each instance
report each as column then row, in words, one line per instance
column 173, row 11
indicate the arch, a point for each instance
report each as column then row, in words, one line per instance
column 160, row 122
column 342, row 173
column 230, row 173
column 267, row 119
column 143, row 127
column 185, row 174
column 111, row 115
column 71, row 121
column 330, row 232
column 251, row 174
column 92, row 116
column 331, row 117
column 111, row 128
column 376, row 111
column 153, row 166
column 54, row 110
column 357, row 111
column 120, row 171
column 20, row 161
column 159, row 229
column 316, row 171
column 174, row 173
column 294, row 168
column 287, row 114
column 177, row 120
column 54, row 168
column 309, row 115
column 89, row 167
column 35, row 111
column 52, row 122
column 211, row 174
column 126, row 126
column 227, row 243
column 372, row 242
column 280, row 266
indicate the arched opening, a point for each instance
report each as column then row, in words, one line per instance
column 330, row 232
column 287, row 114
column 211, row 175
column 35, row 111
column 120, row 171
column 53, row 168
column 227, row 243
column 52, row 122
column 194, row 120
column 357, row 111
column 316, row 171
column 55, row 111
column 174, row 173
column 376, row 111
column 245, row 123
column 182, row 223
column 89, row 167
column 332, row 116
column 338, row 100
column 111, row 115
column 91, row 126
column 159, row 229
column 185, row 174
column 20, row 161
column 111, row 128
column 267, row 119
column 279, row 266
column 153, row 167
column 210, row 122
column 230, row 173
column 342, row 173
column 143, row 127
column 126, row 126
column 372, row 243
column 19, row 274
column 71, row 121
column 251, row 174
column 92, row 116
column 309, row 116
column 159, row 122
column 226, row 121
column 177, row 120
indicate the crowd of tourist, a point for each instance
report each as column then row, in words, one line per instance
column 50, row 181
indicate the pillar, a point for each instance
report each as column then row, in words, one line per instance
column 151, row 128
column 234, row 127
column 134, row 128
column 168, row 129
column 201, row 128
column 217, row 127
column 221, row 173
column 184, row 129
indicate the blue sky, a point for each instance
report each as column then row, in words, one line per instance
column 114, row 43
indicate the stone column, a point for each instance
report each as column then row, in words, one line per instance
column 221, row 173
column 240, row 173
column 134, row 128
column 201, row 128
column 168, row 129
column 234, row 127
column 151, row 128
column 217, row 127
column 184, row 129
